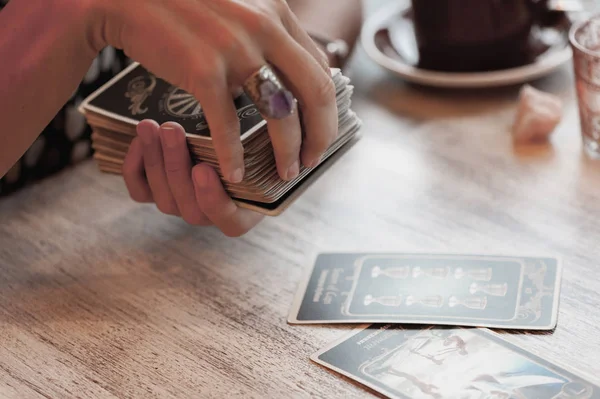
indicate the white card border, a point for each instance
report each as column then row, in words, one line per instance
column 315, row 358
column 299, row 296
column 85, row 106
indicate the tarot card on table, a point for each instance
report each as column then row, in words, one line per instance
column 444, row 362
column 469, row 290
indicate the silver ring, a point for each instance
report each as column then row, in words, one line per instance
column 269, row 94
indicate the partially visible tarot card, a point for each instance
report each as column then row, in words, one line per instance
column 136, row 94
column 442, row 362
column 461, row 290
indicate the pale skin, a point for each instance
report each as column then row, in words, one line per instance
column 206, row 47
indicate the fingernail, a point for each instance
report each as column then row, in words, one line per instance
column 169, row 135
column 236, row 176
column 292, row 171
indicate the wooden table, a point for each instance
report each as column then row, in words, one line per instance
column 101, row 297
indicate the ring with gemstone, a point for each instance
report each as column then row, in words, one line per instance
column 269, row 94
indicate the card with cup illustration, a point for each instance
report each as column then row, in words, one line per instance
column 466, row 290
column 114, row 110
column 405, row 362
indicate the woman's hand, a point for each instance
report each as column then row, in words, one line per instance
column 210, row 48
column 158, row 169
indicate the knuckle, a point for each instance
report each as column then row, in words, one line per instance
column 229, row 144
column 286, row 155
column 194, row 218
column 167, row 207
column 173, row 166
column 153, row 160
column 315, row 148
column 322, row 59
column 286, row 140
column 137, row 195
column 231, row 131
column 208, row 205
column 282, row 7
column 228, row 42
column 109, row 28
column 259, row 20
column 202, row 79
column 321, row 140
column 129, row 170
column 234, row 232
column 325, row 93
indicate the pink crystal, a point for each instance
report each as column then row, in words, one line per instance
column 538, row 114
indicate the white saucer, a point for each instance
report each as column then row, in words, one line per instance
column 555, row 57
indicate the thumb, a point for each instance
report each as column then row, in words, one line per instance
column 216, row 204
column 210, row 194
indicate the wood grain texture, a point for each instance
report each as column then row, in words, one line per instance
column 101, row 297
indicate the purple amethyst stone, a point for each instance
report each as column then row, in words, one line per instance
column 275, row 101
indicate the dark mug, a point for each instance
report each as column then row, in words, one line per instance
column 476, row 35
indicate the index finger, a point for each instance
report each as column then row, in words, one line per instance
column 220, row 113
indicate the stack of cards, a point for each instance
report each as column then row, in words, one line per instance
column 114, row 110
column 450, row 292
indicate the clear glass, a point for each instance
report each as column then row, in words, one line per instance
column 584, row 37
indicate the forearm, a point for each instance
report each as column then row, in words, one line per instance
column 44, row 53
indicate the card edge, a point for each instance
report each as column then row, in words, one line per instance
column 393, row 252
column 85, row 105
column 557, row 291
column 315, row 359
column 339, row 340
column 302, row 186
column 85, row 102
column 301, row 287
column 360, row 254
column 568, row 368
column 424, row 323
column 315, row 356
column 359, row 380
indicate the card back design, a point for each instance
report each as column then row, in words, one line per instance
column 136, row 94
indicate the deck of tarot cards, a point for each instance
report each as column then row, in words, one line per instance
column 114, row 110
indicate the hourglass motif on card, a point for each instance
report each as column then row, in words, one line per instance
column 469, row 290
